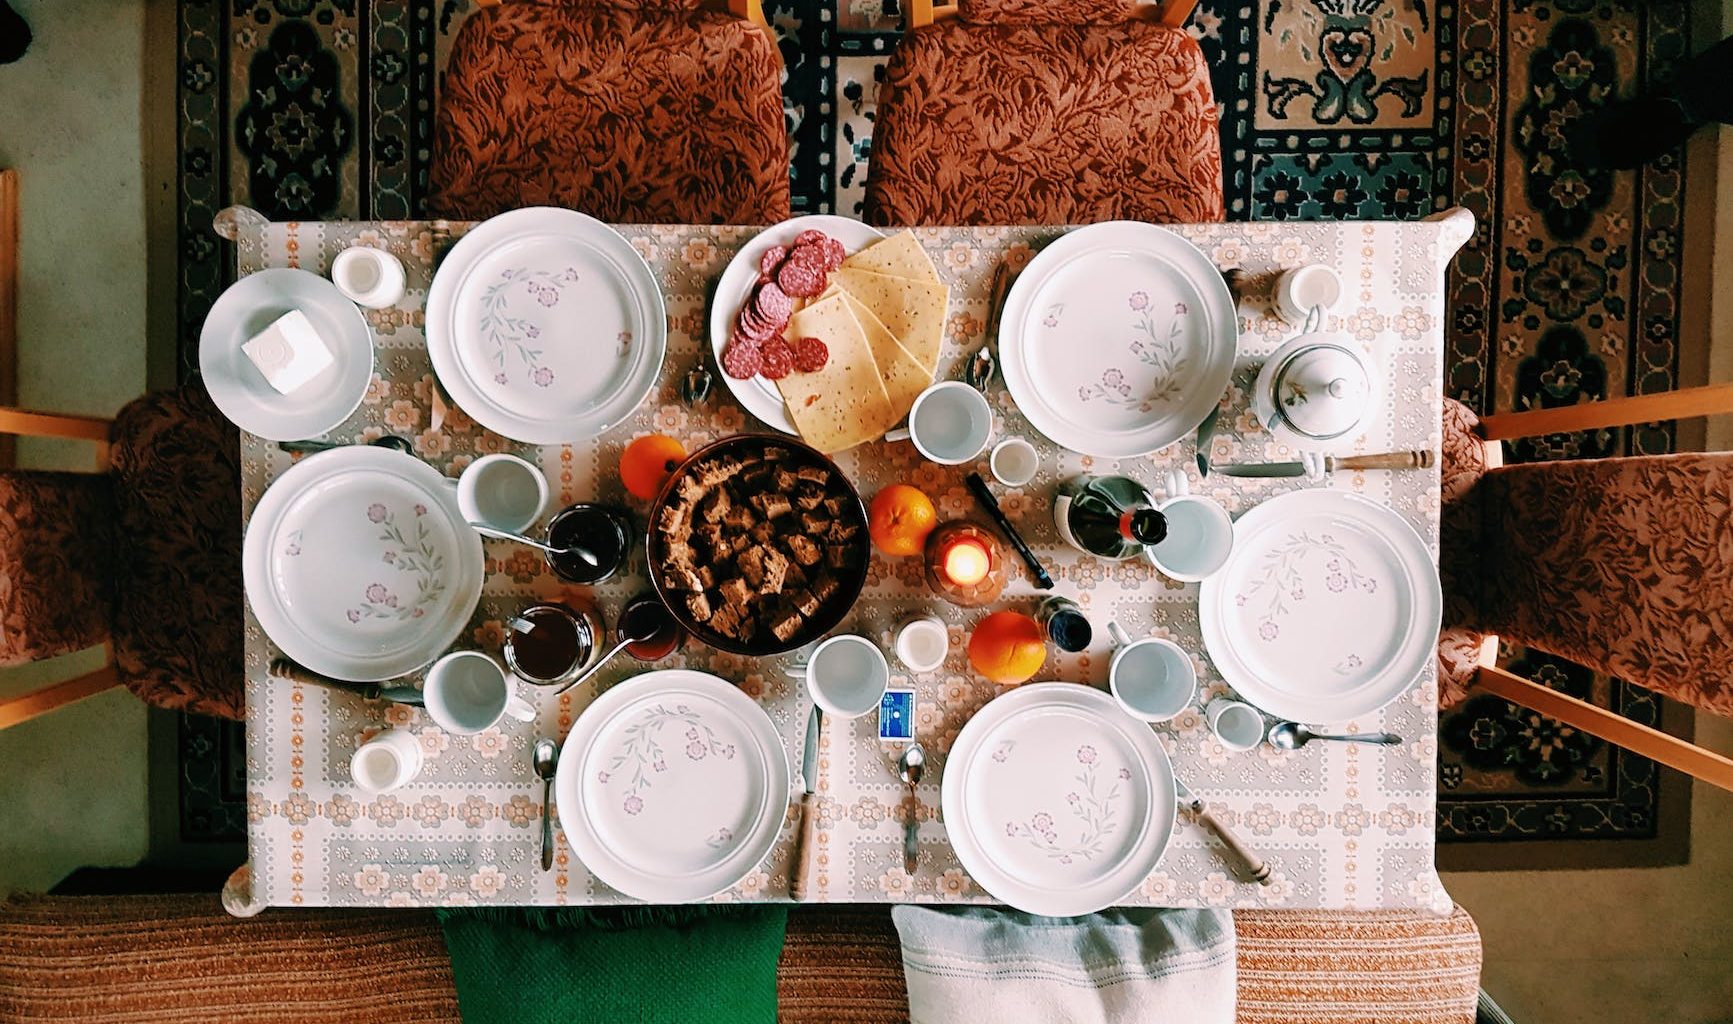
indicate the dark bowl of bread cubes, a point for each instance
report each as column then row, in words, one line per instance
column 758, row 544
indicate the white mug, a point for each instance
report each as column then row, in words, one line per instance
column 1152, row 678
column 502, row 491
column 368, row 277
column 922, row 643
column 847, row 674
column 1200, row 533
column 1238, row 725
column 950, row 423
column 467, row 692
column 389, row 760
column 1014, row 462
column 1302, row 290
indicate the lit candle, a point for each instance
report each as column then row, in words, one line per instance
column 965, row 562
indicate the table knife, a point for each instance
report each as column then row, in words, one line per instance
column 802, row 869
column 1254, row 866
column 1331, row 463
column 283, row 668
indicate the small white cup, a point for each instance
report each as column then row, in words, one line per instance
column 368, row 277
column 1200, row 533
column 1152, row 678
column 1238, row 725
column 1014, row 462
column 847, row 675
column 922, row 643
column 502, row 491
column 950, row 423
column 467, row 692
column 1300, row 290
column 389, row 760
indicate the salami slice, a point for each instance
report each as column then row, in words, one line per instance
column 753, row 323
column 834, row 254
column 742, row 359
column 771, row 303
column 771, row 259
column 777, row 359
column 811, row 236
column 811, row 255
column 796, row 277
column 810, row 355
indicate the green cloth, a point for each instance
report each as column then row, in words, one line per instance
column 643, row 965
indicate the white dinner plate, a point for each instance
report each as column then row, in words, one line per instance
column 672, row 786
column 1056, row 801
column 1328, row 608
column 546, row 326
column 760, row 395
column 238, row 388
column 358, row 564
column 1118, row 339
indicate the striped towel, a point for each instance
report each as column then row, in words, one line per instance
column 1149, row 966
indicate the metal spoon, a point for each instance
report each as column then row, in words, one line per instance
column 544, row 756
column 983, row 366
column 582, row 552
column 1293, row 736
column 911, row 766
column 391, row 441
column 626, row 640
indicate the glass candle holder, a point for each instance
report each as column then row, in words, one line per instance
column 965, row 563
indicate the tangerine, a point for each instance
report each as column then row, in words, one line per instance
column 646, row 463
column 900, row 518
column 1008, row 648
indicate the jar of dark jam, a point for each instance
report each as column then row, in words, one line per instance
column 645, row 615
column 605, row 530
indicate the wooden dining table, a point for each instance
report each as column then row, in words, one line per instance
column 1341, row 825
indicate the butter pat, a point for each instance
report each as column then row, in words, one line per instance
column 290, row 352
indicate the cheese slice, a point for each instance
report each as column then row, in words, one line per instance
column 903, row 375
column 900, row 255
column 913, row 310
column 844, row 403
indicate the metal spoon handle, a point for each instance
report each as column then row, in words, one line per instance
column 911, row 834
column 547, row 825
column 597, row 667
column 1386, row 739
column 582, row 552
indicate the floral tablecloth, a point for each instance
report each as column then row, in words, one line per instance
column 1343, row 825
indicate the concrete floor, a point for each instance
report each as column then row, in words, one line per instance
column 1563, row 946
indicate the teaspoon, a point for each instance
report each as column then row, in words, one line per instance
column 911, row 766
column 626, row 640
column 391, row 441
column 983, row 367
column 490, row 531
column 545, row 758
column 1293, row 736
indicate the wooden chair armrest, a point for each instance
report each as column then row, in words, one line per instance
column 25, row 423
column 1614, row 412
column 57, row 695
column 1172, row 13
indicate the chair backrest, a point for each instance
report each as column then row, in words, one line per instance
column 748, row 10
column 1172, row 13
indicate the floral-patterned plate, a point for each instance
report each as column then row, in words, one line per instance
column 359, row 565
column 672, row 786
column 546, row 326
column 1327, row 609
column 1118, row 339
column 1056, row 801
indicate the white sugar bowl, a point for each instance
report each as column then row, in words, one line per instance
column 1316, row 390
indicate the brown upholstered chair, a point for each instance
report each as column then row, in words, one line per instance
column 1045, row 112
column 144, row 557
column 1623, row 565
column 628, row 110
column 181, row 959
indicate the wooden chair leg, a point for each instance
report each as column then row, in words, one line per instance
column 1653, row 744
column 1614, row 412
column 58, row 695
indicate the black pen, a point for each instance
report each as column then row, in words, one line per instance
column 978, row 487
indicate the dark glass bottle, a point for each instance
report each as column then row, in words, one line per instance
column 1111, row 517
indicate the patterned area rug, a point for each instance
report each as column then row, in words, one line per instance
column 317, row 109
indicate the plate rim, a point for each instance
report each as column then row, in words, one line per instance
column 953, row 802
column 229, row 400
column 609, row 867
column 1015, row 316
column 261, row 525
column 1369, row 697
column 743, row 266
column 445, row 289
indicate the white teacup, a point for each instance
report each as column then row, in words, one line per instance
column 502, row 491
column 1014, row 462
column 1152, row 678
column 467, row 692
column 1238, row 725
column 1200, row 533
column 368, row 277
column 950, row 423
column 389, row 760
column 847, row 675
column 1301, row 290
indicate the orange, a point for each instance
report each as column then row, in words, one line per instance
column 646, row 463
column 900, row 518
column 1007, row 648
